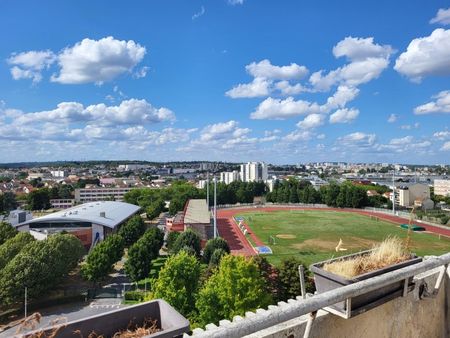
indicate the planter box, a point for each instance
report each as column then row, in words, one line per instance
column 171, row 323
column 326, row 281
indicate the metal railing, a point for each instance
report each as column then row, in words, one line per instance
column 295, row 308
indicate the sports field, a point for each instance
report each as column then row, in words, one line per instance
column 312, row 235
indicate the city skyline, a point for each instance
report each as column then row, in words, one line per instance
column 233, row 80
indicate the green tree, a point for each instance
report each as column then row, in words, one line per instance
column 13, row 246
column 99, row 263
column 212, row 245
column 217, row 256
column 8, row 201
column 39, row 199
column 142, row 253
column 171, row 239
column 188, row 238
column 7, row 231
column 178, row 282
column 132, row 230
column 234, row 288
column 39, row 266
column 155, row 209
column 289, row 279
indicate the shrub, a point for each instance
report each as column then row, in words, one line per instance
column 289, row 279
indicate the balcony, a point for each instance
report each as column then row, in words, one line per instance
column 423, row 311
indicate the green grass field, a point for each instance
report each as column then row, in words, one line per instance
column 313, row 235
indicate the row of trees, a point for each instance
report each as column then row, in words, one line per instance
column 37, row 265
column 7, row 202
column 295, row 191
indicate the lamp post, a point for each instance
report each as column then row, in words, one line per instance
column 215, row 207
column 207, row 189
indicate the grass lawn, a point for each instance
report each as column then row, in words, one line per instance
column 313, row 235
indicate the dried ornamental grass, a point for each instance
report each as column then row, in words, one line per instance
column 391, row 251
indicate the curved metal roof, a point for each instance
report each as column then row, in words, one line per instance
column 114, row 214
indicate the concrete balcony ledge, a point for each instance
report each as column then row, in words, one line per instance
column 419, row 314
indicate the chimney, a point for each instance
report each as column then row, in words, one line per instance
column 102, row 214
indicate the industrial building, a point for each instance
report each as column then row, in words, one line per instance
column 91, row 222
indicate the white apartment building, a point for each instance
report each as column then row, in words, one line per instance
column 253, row 172
column 442, row 187
column 229, row 176
column 131, row 167
column 201, row 184
column 58, row 173
column 100, row 194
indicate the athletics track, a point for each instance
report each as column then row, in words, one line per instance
column 239, row 244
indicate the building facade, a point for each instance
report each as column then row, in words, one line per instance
column 228, row 177
column 100, row 194
column 442, row 187
column 253, row 172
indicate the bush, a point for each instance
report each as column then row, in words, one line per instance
column 132, row 230
column 289, row 279
column 189, row 238
column 212, row 245
column 141, row 254
column 137, row 296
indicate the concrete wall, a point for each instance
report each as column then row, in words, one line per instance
column 408, row 317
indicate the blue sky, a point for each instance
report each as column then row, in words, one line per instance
column 232, row 80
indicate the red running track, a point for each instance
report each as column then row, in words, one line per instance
column 239, row 244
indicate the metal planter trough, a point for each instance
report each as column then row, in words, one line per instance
column 326, row 281
column 169, row 321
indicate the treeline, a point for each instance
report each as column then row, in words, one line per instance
column 345, row 195
column 36, row 265
column 153, row 200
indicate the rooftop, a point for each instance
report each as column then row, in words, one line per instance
column 114, row 214
column 197, row 212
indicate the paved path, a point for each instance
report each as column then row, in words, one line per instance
column 239, row 244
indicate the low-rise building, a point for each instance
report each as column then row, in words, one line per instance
column 100, row 194
column 62, row 203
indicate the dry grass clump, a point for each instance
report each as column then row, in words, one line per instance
column 391, row 251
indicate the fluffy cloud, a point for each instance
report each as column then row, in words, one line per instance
column 312, row 121
column 265, row 74
column 128, row 112
column 224, row 130
column 426, row 56
column 441, row 104
column 199, row 13
column 367, row 61
column 258, row 87
column 29, row 65
column 235, row 2
column 266, row 70
column 272, row 108
column 340, row 98
column 401, row 141
column 359, row 139
column 392, row 118
column 442, row 17
column 97, row 61
column 344, row 115
column 298, row 135
column 442, row 135
column 446, row 146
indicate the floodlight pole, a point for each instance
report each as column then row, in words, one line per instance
column 207, row 189
column 215, row 207
column 393, row 192
column 26, row 292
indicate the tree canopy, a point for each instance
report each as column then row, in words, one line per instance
column 188, row 238
column 132, row 230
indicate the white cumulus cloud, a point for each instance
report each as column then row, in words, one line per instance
column 426, row 56
column 266, row 70
column 97, row 61
column 344, row 115
column 312, row 121
column 29, row 65
column 272, row 108
column 442, row 17
column 446, row 146
column 441, row 104
column 257, row 88
column 392, row 118
column 358, row 139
